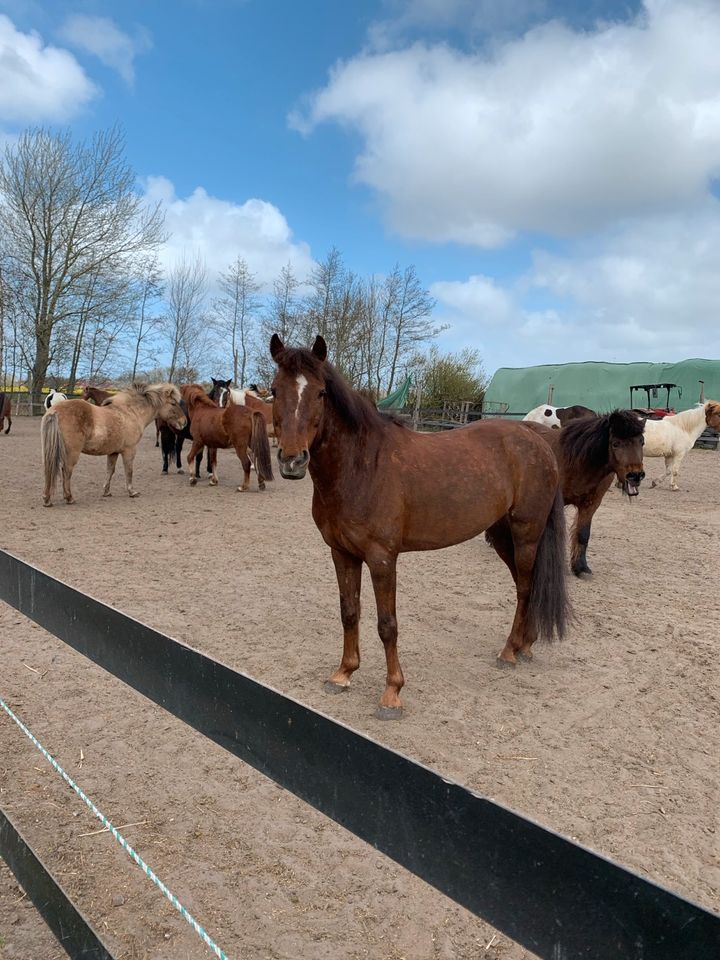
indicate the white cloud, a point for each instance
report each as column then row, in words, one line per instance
column 559, row 131
column 221, row 231
column 38, row 82
column 102, row 37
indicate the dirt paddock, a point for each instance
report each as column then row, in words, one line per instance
column 609, row 737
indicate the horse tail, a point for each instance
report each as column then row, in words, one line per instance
column 53, row 450
column 550, row 609
column 260, row 447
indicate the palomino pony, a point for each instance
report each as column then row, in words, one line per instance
column 381, row 489
column 96, row 395
column 113, row 429
column 672, row 437
column 591, row 451
column 557, row 417
column 232, row 426
column 5, row 411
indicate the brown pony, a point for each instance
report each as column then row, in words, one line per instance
column 231, row 426
column 590, row 452
column 381, row 489
column 96, row 395
column 5, row 411
column 113, row 429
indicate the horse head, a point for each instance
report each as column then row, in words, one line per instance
column 167, row 405
column 220, row 391
column 625, row 449
column 299, row 403
column 712, row 415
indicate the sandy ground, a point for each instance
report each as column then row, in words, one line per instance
column 609, row 737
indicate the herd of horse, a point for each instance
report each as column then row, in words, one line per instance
column 381, row 489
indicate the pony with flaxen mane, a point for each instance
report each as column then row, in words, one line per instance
column 112, row 430
column 221, row 428
column 591, row 451
column 381, row 489
column 673, row 437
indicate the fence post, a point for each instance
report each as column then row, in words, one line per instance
column 551, row 391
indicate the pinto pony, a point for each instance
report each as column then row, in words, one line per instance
column 5, row 411
column 590, row 452
column 113, row 429
column 381, row 489
column 557, row 417
column 232, row 426
column 249, row 398
column 672, row 437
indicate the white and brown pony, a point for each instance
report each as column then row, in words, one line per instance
column 113, row 429
column 557, row 417
column 249, row 398
column 53, row 398
column 672, row 437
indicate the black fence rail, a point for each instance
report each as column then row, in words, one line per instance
column 549, row 894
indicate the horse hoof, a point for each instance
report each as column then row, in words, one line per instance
column 504, row 664
column 180, row 470
column 108, row 494
column 164, row 472
column 389, row 713
column 46, row 503
column 193, row 481
column 330, row 687
column 526, row 655
column 133, row 494
column 212, row 482
column 654, row 483
column 70, row 502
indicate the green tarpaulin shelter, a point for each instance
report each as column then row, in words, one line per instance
column 602, row 386
column 398, row 399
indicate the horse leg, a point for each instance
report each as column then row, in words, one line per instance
column 384, row 580
column 525, row 538
column 668, row 462
column 195, row 454
column 499, row 536
column 581, row 529
column 674, row 472
column 111, row 461
column 128, row 457
column 348, row 570
column 71, row 459
column 212, row 466
column 241, row 451
column 178, row 453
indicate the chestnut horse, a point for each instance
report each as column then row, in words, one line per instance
column 5, row 411
column 96, row 395
column 113, row 429
column 381, row 489
column 249, row 398
column 232, row 426
column 591, row 451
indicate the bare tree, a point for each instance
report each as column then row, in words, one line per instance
column 409, row 308
column 234, row 314
column 283, row 316
column 66, row 211
column 185, row 321
column 147, row 287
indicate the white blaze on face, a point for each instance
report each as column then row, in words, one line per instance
column 301, row 384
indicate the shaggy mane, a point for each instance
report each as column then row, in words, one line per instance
column 588, row 438
column 356, row 410
column 195, row 393
column 153, row 393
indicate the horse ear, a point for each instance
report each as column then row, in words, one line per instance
column 319, row 348
column 276, row 345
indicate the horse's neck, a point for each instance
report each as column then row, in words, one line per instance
column 334, row 454
column 690, row 421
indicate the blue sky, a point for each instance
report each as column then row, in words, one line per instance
column 550, row 167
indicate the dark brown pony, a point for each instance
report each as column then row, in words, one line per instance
column 576, row 412
column 591, row 451
column 96, row 395
column 5, row 411
column 232, row 426
column 381, row 489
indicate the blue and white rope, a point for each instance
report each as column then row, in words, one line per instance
column 120, row 839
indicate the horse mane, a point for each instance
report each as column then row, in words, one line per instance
column 357, row 411
column 195, row 393
column 688, row 420
column 588, row 438
column 153, row 393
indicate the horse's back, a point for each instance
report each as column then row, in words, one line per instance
column 664, row 439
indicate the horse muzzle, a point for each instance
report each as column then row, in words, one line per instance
column 293, row 468
column 631, row 483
